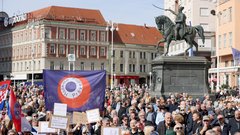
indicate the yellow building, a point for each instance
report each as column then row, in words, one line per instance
column 227, row 37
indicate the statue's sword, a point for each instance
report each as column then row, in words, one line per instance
column 158, row 7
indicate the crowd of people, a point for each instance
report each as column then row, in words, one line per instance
column 136, row 112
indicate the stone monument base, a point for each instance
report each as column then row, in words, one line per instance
column 180, row 74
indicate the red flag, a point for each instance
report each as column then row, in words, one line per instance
column 15, row 110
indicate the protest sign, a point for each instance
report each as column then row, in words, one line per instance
column 111, row 131
column 59, row 122
column 60, row 109
column 43, row 128
column 93, row 115
column 79, row 117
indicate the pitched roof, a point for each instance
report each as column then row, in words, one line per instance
column 87, row 16
column 135, row 34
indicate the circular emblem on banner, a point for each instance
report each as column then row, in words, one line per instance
column 17, row 110
column 74, row 91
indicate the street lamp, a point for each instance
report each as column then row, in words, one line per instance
column 111, row 26
column 32, row 25
column 114, row 81
column 150, row 79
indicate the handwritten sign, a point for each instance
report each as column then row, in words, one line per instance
column 79, row 117
column 59, row 122
column 111, row 131
column 43, row 127
column 60, row 109
column 93, row 115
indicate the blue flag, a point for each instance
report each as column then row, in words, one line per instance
column 80, row 90
column 236, row 55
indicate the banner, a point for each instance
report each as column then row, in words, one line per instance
column 236, row 56
column 15, row 110
column 4, row 86
column 80, row 90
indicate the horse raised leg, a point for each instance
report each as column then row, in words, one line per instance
column 169, row 40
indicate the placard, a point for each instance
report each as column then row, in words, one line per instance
column 43, row 128
column 111, row 131
column 79, row 117
column 60, row 109
column 93, row 115
column 59, row 122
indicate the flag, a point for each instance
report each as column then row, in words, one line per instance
column 4, row 86
column 15, row 110
column 80, row 90
column 236, row 55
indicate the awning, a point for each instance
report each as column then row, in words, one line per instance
column 224, row 69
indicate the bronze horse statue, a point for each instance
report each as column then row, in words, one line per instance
column 166, row 27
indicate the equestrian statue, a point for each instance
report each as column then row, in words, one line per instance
column 178, row 30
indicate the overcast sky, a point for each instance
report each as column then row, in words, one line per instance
column 121, row 11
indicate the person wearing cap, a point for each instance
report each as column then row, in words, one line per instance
column 205, row 125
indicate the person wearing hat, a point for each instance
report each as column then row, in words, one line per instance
column 205, row 125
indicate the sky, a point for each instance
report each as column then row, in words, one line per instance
column 138, row 12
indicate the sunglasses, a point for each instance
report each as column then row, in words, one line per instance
column 85, row 132
column 206, row 120
column 179, row 128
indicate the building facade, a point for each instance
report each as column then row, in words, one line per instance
column 47, row 36
column 226, row 70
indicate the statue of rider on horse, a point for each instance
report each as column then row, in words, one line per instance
column 179, row 30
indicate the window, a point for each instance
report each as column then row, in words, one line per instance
column 133, row 67
column 93, row 51
column 130, row 67
column 62, row 34
column 51, row 65
column 102, row 66
column 152, row 56
column 144, row 55
column 72, row 50
column 144, row 68
column 230, row 14
column 224, row 40
column 47, row 33
column 140, row 55
column 102, row 51
column 93, row 36
column 230, row 39
column 71, row 66
column 204, row 12
column 82, row 66
column 113, row 53
column 114, row 67
column 133, row 54
column 72, row 34
column 102, row 36
column 130, row 54
column 82, row 50
column 121, row 54
column 61, row 67
column 219, row 41
column 92, row 66
column 140, row 68
column 82, row 35
column 121, row 67
column 226, row 63
column 62, row 49
column 52, row 49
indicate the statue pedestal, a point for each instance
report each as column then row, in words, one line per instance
column 180, row 74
